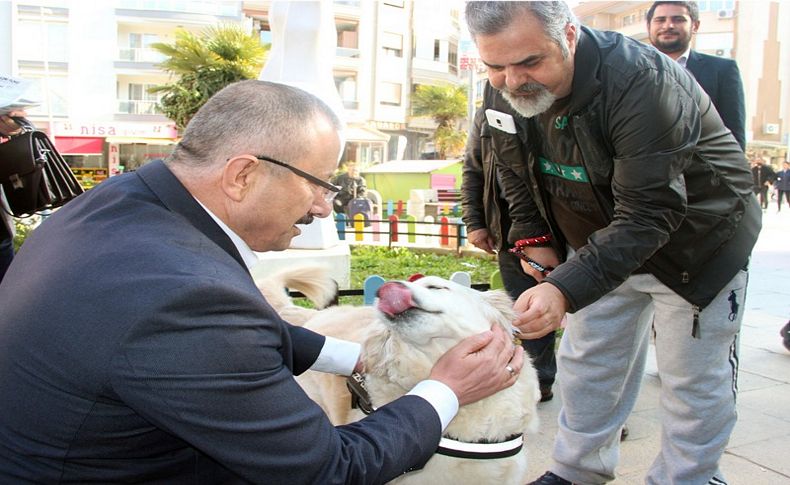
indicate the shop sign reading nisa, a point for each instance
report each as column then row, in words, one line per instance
column 137, row 130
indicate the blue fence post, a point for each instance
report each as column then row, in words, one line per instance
column 462, row 278
column 340, row 225
column 370, row 287
column 461, row 236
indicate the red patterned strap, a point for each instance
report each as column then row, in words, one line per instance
column 533, row 241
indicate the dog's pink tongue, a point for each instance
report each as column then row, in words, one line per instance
column 394, row 298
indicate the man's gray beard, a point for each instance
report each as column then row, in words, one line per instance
column 529, row 106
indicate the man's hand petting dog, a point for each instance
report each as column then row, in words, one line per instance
column 480, row 365
column 539, row 310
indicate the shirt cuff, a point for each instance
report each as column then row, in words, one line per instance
column 337, row 357
column 441, row 397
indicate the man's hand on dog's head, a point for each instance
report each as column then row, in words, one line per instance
column 477, row 367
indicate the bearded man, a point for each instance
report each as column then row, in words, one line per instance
column 671, row 27
column 632, row 206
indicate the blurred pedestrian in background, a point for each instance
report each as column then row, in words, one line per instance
column 783, row 185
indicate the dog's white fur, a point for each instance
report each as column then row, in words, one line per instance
column 400, row 352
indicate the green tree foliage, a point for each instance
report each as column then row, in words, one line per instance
column 203, row 64
column 449, row 141
column 446, row 105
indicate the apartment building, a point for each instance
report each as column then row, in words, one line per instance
column 749, row 32
column 92, row 65
column 385, row 49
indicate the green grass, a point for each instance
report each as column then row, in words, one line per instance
column 399, row 263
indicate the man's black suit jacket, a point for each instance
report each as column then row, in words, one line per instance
column 135, row 347
column 721, row 79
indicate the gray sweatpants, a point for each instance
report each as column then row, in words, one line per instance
column 601, row 360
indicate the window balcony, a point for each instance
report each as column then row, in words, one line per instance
column 137, row 107
column 140, row 54
column 349, row 3
column 220, row 9
column 347, row 52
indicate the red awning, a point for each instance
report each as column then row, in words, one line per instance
column 78, row 145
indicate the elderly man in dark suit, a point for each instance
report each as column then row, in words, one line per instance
column 136, row 348
column 671, row 25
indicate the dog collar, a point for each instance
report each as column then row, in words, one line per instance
column 481, row 450
column 360, row 399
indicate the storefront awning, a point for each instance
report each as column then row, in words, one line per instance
column 360, row 134
column 76, row 145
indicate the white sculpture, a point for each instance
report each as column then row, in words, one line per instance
column 304, row 40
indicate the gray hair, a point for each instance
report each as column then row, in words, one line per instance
column 489, row 18
column 253, row 117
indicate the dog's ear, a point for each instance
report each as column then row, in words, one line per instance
column 501, row 301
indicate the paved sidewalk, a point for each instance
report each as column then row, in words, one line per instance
column 759, row 449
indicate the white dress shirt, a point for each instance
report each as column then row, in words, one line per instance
column 340, row 356
column 683, row 59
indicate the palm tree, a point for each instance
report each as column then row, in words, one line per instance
column 447, row 106
column 204, row 64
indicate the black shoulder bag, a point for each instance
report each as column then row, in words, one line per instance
column 33, row 174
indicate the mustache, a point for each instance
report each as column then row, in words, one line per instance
column 528, row 88
column 306, row 219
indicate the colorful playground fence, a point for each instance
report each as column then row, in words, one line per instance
column 447, row 232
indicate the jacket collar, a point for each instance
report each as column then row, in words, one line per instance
column 166, row 186
column 586, row 64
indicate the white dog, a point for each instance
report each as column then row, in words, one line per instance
column 412, row 325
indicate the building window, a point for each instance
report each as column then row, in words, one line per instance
column 140, row 50
column 51, row 88
column 392, row 44
column 347, row 38
column 264, row 31
column 346, row 83
column 139, row 100
column 135, row 155
column 452, row 58
column 437, row 50
column 390, row 94
column 715, row 6
column 222, row 9
column 347, row 34
column 43, row 39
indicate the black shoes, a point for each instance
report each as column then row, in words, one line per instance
column 546, row 393
column 549, row 478
column 785, row 333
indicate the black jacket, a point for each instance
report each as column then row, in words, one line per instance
column 721, row 80
column 762, row 174
column 480, row 194
column 668, row 176
column 136, row 348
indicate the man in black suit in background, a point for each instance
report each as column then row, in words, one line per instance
column 671, row 25
column 136, row 348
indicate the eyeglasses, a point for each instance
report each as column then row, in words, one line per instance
column 329, row 190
